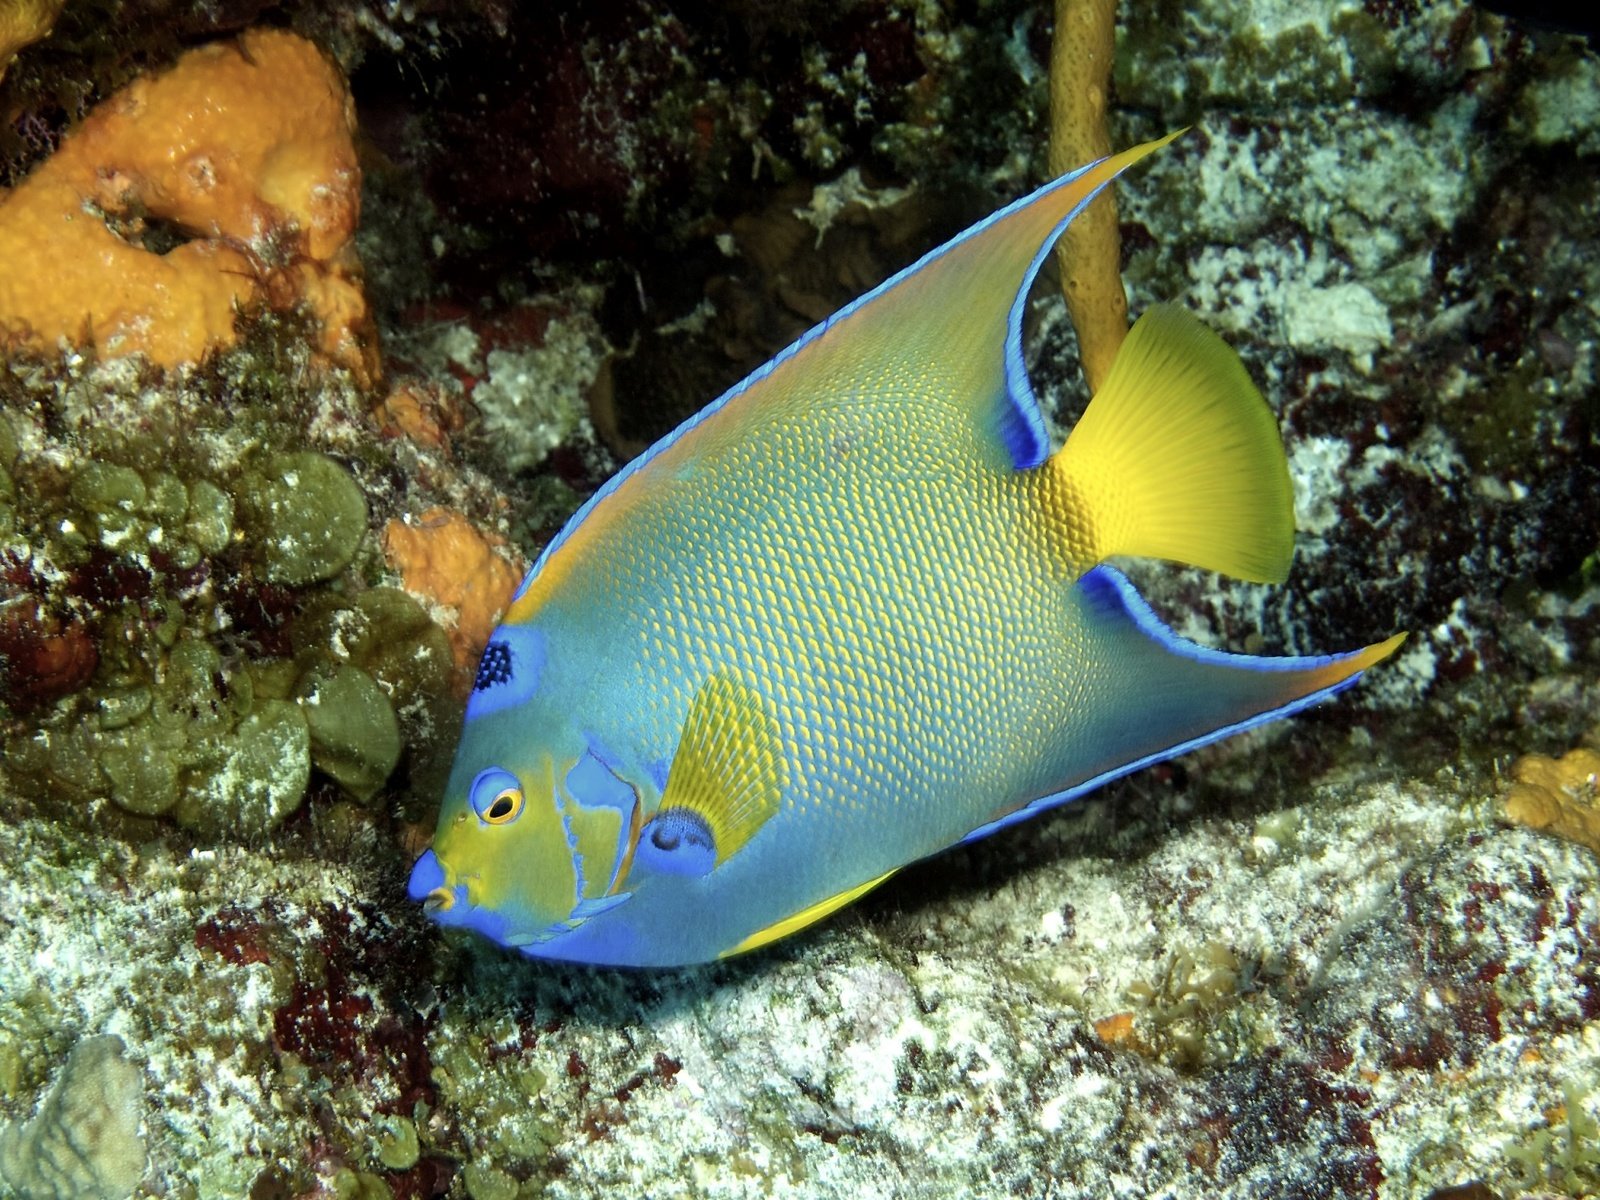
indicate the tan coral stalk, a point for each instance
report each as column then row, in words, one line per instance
column 1090, row 252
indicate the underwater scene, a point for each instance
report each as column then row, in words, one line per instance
column 1115, row 716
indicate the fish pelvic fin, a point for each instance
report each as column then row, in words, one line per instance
column 1177, row 457
column 806, row 916
column 726, row 781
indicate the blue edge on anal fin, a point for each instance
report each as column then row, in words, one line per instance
column 1022, row 427
column 1108, row 590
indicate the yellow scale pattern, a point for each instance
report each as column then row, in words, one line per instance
column 899, row 602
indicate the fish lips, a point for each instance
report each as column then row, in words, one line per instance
column 429, row 886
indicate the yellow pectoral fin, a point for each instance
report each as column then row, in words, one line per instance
column 806, row 916
column 728, row 775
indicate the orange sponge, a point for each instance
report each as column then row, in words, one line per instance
column 23, row 22
column 1558, row 795
column 243, row 152
column 441, row 556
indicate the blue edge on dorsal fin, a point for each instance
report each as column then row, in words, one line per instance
column 1108, row 589
column 1022, row 427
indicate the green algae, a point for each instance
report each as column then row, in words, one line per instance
column 114, row 506
column 503, row 1101
column 306, row 517
column 179, row 746
column 348, row 1184
column 10, row 1070
column 113, row 499
column 387, row 634
column 486, row 1182
column 143, row 772
column 406, row 660
column 208, row 517
column 398, row 1148
column 189, row 715
column 256, row 780
column 355, row 738
column 1196, row 1014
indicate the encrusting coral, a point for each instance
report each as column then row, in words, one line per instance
column 1558, row 795
column 1090, row 250
column 85, row 1143
column 23, row 22
column 242, row 153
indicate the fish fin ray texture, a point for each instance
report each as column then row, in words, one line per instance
column 809, row 915
column 1153, row 695
column 1179, row 457
column 729, row 770
column 904, row 331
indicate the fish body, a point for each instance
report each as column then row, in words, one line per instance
column 856, row 612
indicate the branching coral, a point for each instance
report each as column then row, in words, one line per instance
column 1090, row 251
column 242, row 153
column 1558, row 795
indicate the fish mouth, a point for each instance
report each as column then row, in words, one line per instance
column 449, row 901
column 439, row 895
column 431, row 885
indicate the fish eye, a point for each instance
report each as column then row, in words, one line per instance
column 504, row 807
column 496, row 796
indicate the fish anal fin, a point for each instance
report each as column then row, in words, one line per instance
column 1177, row 457
column 1342, row 668
column 1149, row 695
column 806, row 916
column 725, row 783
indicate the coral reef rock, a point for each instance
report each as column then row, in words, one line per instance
column 85, row 1143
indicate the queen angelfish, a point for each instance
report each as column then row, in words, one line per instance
column 857, row 611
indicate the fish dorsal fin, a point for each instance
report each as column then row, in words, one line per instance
column 948, row 328
column 725, row 783
column 950, row 325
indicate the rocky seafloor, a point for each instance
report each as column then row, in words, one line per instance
column 1317, row 960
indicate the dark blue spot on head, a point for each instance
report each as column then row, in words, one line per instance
column 508, row 672
column 494, row 668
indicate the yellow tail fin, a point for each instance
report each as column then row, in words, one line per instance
column 1179, row 457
